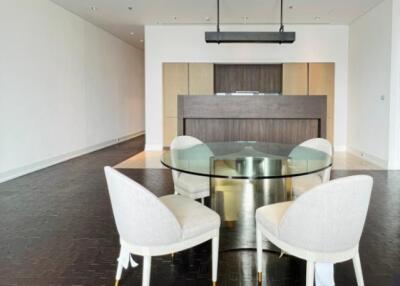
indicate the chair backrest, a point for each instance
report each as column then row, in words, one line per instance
column 321, row 145
column 183, row 142
column 141, row 218
column 329, row 217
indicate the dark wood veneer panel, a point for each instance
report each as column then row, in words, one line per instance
column 265, row 78
column 285, row 119
column 291, row 131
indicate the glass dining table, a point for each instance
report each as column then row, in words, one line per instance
column 244, row 176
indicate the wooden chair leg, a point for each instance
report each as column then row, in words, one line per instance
column 146, row 270
column 259, row 255
column 310, row 273
column 215, row 249
column 358, row 270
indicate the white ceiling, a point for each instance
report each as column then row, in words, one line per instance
column 115, row 17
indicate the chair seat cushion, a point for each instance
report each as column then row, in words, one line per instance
column 269, row 216
column 194, row 218
column 192, row 183
column 305, row 183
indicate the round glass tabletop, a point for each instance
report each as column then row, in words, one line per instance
column 247, row 160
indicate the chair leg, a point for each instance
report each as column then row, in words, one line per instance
column 215, row 249
column 119, row 273
column 119, row 268
column 259, row 255
column 310, row 273
column 358, row 270
column 146, row 270
column 324, row 274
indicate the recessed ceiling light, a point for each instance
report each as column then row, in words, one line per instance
column 207, row 19
column 141, row 41
column 131, row 33
column 317, row 18
column 93, row 8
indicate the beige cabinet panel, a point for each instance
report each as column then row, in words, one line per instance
column 175, row 82
column 201, row 79
column 322, row 78
column 295, row 79
column 329, row 128
column 330, row 104
column 170, row 129
column 322, row 82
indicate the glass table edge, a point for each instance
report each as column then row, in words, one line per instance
column 246, row 177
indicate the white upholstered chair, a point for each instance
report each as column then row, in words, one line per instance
column 192, row 186
column 323, row 225
column 151, row 226
column 304, row 183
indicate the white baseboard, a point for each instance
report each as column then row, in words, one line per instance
column 368, row 157
column 15, row 173
column 130, row 136
column 153, row 147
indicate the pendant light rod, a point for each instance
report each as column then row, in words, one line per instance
column 218, row 16
column 280, row 37
column 282, row 28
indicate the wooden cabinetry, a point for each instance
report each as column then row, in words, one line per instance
column 175, row 82
column 201, row 79
column 183, row 79
column 198, row 79
column 283, row 119
column 322, row 82
column 265, row 78
column 295, row 79
column 312, row 79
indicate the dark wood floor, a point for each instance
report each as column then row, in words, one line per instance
column 56, row 228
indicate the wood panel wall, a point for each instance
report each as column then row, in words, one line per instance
column 175, row 81
column 183, row 79
column 206, row 78
column 312, row 79
column 265, row 78
column 262, row 118
column 295, row 79
column 322, row 82
column 201, row 79
column 290, row 131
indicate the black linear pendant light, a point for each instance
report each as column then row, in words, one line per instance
column 280, row 37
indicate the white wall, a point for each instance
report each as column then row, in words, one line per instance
column 394, row 121
column 370, row 78
column 315, row 43
column 66, row 86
